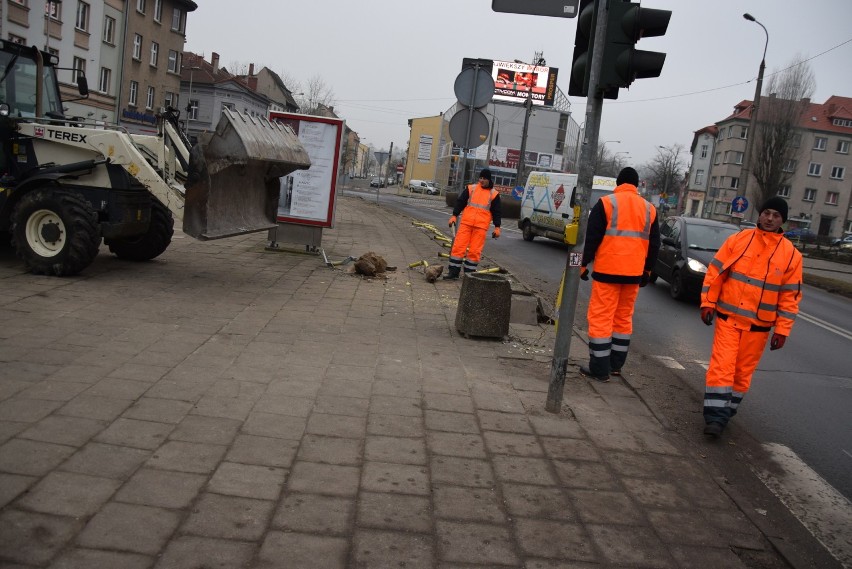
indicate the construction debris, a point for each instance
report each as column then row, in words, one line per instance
column 370, row 264
column 433, row 272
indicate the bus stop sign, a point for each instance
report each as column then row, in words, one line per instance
column 555, row 8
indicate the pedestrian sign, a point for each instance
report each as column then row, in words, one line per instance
column 739, row 204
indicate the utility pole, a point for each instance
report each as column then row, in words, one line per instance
column 752, row 123
column 571, row 276
column 539, row 60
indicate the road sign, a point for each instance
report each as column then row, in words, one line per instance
column 478, row 128
column 471, row 96
column 739, row 204
column 518, row 192
column 555, row 8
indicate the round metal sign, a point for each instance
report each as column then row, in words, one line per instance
column 478, row 128
column 739, row 204
column 468, row 95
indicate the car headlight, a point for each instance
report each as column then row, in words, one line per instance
column 696, row 265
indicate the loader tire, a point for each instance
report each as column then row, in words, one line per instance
column 55, row 231
column 150, row 244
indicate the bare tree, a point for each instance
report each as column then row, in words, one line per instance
column 778, row 120
column 316, row 97
column 666, row 169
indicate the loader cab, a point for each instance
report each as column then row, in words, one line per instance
column 19, row 82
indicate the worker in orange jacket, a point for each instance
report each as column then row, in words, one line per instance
column 622, row 240
column 753, row 284
column 478, row 205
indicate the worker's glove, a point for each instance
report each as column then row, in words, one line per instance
column 707, row 314
column 452, row 221
column 777, row 341
column 496, row 233
column 643, row 280
column 584, row 273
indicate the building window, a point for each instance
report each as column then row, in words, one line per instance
column 842, row 122
column 109, row 30
column 155, row 52
column 140, row 6
column 738, row 157
column 103, row 83
column 743, row 132
column 158, row 10
column 717, row 157
column 797, row 140
column 177, row 20
column 137, row 47
column 171, row 100
column 814, row 169
column 721, row 134
column 810, row 195
column 843, row 147
column 134, row 93
column 17, row 39
column 173, row 61
column 82, row 17
column 229, row 106
column 831, row 198
column 54, row 10
column 723, row 208
column 784, row 191
column 193, row 109
column 820, row 142
column 79, row 65
column 704, row 151
column 837, row 172
column 735, row 183
column 149, row 100
column 699, row 176
column 790, row 166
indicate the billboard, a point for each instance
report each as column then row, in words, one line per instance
column 515, row 82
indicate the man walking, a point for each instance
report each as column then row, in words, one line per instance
column 622, row 240
column 479, row 205
column 753, row 284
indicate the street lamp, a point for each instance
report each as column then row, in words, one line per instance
column 577, row 147
column 189, row 98
column 491, row 134
column 752, row 123
column 601, row 150
column 522, row 158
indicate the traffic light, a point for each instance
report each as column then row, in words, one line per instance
column 584, row 41
column 627, row 23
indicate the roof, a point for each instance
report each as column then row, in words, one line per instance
column 712, row 130
column 817, row 116
column 196, row 69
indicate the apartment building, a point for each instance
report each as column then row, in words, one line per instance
column 698, row 181
column 819, row 190
column 150, row 75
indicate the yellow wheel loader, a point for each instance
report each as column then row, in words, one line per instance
column 66, row 184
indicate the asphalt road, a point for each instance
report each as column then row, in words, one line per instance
column 801, row 396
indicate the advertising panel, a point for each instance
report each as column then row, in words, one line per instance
column 308, row 196
column 516, row 82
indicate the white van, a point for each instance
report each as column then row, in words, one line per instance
column 423, row 187
column 549, row 207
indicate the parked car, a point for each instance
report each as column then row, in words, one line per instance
column 801, row 234
column 423, row 187
column 843, row 243
column 686, row 249
column 377, row 183
column 747, row 225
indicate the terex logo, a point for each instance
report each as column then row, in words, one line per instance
column 69, row 136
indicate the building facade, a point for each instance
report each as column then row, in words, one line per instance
column 698, row 183
column 819, row 190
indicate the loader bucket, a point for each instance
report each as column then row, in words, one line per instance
column 232, row 186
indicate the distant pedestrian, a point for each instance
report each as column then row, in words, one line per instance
column 753, row 284
column 622, row 240
column 478, row 205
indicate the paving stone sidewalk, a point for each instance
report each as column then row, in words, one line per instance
column 228, row 406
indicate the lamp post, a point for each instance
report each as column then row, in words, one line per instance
column 189, row 98
column 491, row 134
column 752, row 123
column 577, row 147
column 523, row 157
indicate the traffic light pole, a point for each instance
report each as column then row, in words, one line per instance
column 571, row 276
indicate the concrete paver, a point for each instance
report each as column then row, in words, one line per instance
column 226, row 405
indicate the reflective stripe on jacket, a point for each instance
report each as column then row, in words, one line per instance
column 757, row 277
column 624, row 246
column 478, row 209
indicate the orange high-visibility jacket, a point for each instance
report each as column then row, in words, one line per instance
column 756, row 276
column 624, row 246
column 477, row 212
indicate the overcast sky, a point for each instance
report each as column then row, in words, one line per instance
column 390, row 60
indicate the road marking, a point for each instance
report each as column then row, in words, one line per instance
column 824, row 511
column 705, row 365
column 826, row 325
column 846, row 452
column 670, row 363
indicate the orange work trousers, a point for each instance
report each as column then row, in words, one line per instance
column 467, row 246
column 736, row 352
column 610, row 319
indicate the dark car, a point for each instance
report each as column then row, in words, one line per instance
column 377, row 183
column 687, row 246
column 845, row 243
column 801, row 234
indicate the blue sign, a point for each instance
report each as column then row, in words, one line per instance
column 739, row 204
column 518, row 192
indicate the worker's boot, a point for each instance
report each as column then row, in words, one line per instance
column 452, row 273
